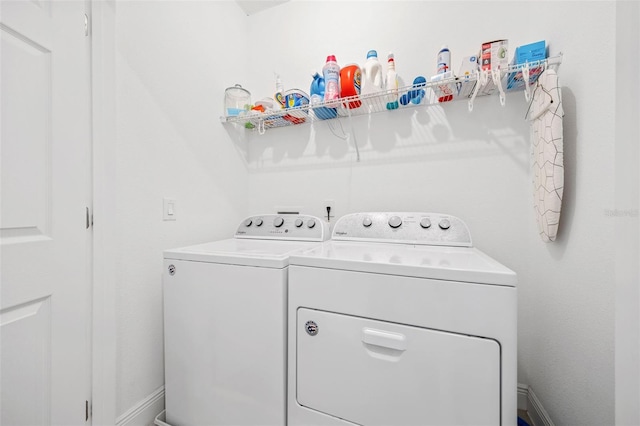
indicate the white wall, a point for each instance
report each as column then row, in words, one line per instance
column 173, row 62
column 475, row 166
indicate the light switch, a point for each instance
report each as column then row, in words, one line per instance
column 169, row 209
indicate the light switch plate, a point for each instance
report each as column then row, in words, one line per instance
column 168, row 209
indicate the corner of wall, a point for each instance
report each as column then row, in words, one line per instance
column 625, row 214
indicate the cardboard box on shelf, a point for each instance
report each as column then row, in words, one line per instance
column 468, row 67
column 494, row 55
column 445, row 91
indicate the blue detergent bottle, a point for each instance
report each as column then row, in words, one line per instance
column 317, row 97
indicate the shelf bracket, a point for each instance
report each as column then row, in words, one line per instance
column 481, row 80
column 495, row 75
column 525, row 77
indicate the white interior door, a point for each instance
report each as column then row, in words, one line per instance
column 45, row 183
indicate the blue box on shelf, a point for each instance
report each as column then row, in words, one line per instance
column 528, row 53
column 531, row 52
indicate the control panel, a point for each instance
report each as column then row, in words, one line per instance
column 406, row 228
column 283, row 227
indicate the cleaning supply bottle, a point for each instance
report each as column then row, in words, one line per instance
column 444, row 60
column 317, row 86
column 392, row 83
column 351, row 84
column 372, row 79
column 331, row 74
column 317, row 97
column 279, row 95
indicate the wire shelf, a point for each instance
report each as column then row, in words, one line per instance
column 451, row 89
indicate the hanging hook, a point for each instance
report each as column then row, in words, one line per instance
column 484, row 77
column 495, row 75
column 526, row 114
column 476, row 89
column 525, row 77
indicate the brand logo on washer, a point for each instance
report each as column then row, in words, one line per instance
column 172, row 270
column 311, row 327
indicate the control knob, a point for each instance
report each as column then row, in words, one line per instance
column 425, row 223
column 444, row 224
column 299, row 223
column 395, row 221
column 248, row 222
column 278, row 222
column 366, row 222
column 311, row 223
column 259, row 222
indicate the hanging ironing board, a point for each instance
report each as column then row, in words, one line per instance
column 547, row 154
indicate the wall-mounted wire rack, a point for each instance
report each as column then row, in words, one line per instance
column 514, row 78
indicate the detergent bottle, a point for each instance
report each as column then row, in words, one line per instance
column 350, row 84
column 317, row 97
column 331, row 74
column 372, row 79
column 317, row 85
column 392, row 83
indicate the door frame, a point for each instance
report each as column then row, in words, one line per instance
column 104, row 332
column 627, row 194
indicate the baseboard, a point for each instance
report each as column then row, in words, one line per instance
column 527, row 400
column 523, row 397
column 145, row 411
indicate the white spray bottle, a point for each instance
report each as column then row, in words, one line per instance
column 392, row 83
column 279, row 95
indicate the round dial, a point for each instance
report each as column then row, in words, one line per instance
column 395, row 221
column 311, row 223
column 444, row 224
column 425, row 222
column 366, row 222
column 278, row 222
column 259, row 222
column 299, row 223
column 248, row 222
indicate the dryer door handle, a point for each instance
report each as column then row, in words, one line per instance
column 385, row 339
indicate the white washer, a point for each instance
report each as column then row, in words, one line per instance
column 225, row 323
column 399, row 321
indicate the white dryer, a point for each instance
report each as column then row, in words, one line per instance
column 399, row 321
column 225, row 323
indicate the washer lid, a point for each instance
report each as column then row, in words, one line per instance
column 465, row 264
column 263, row 253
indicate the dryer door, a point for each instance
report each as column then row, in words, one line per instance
column 380, row 373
